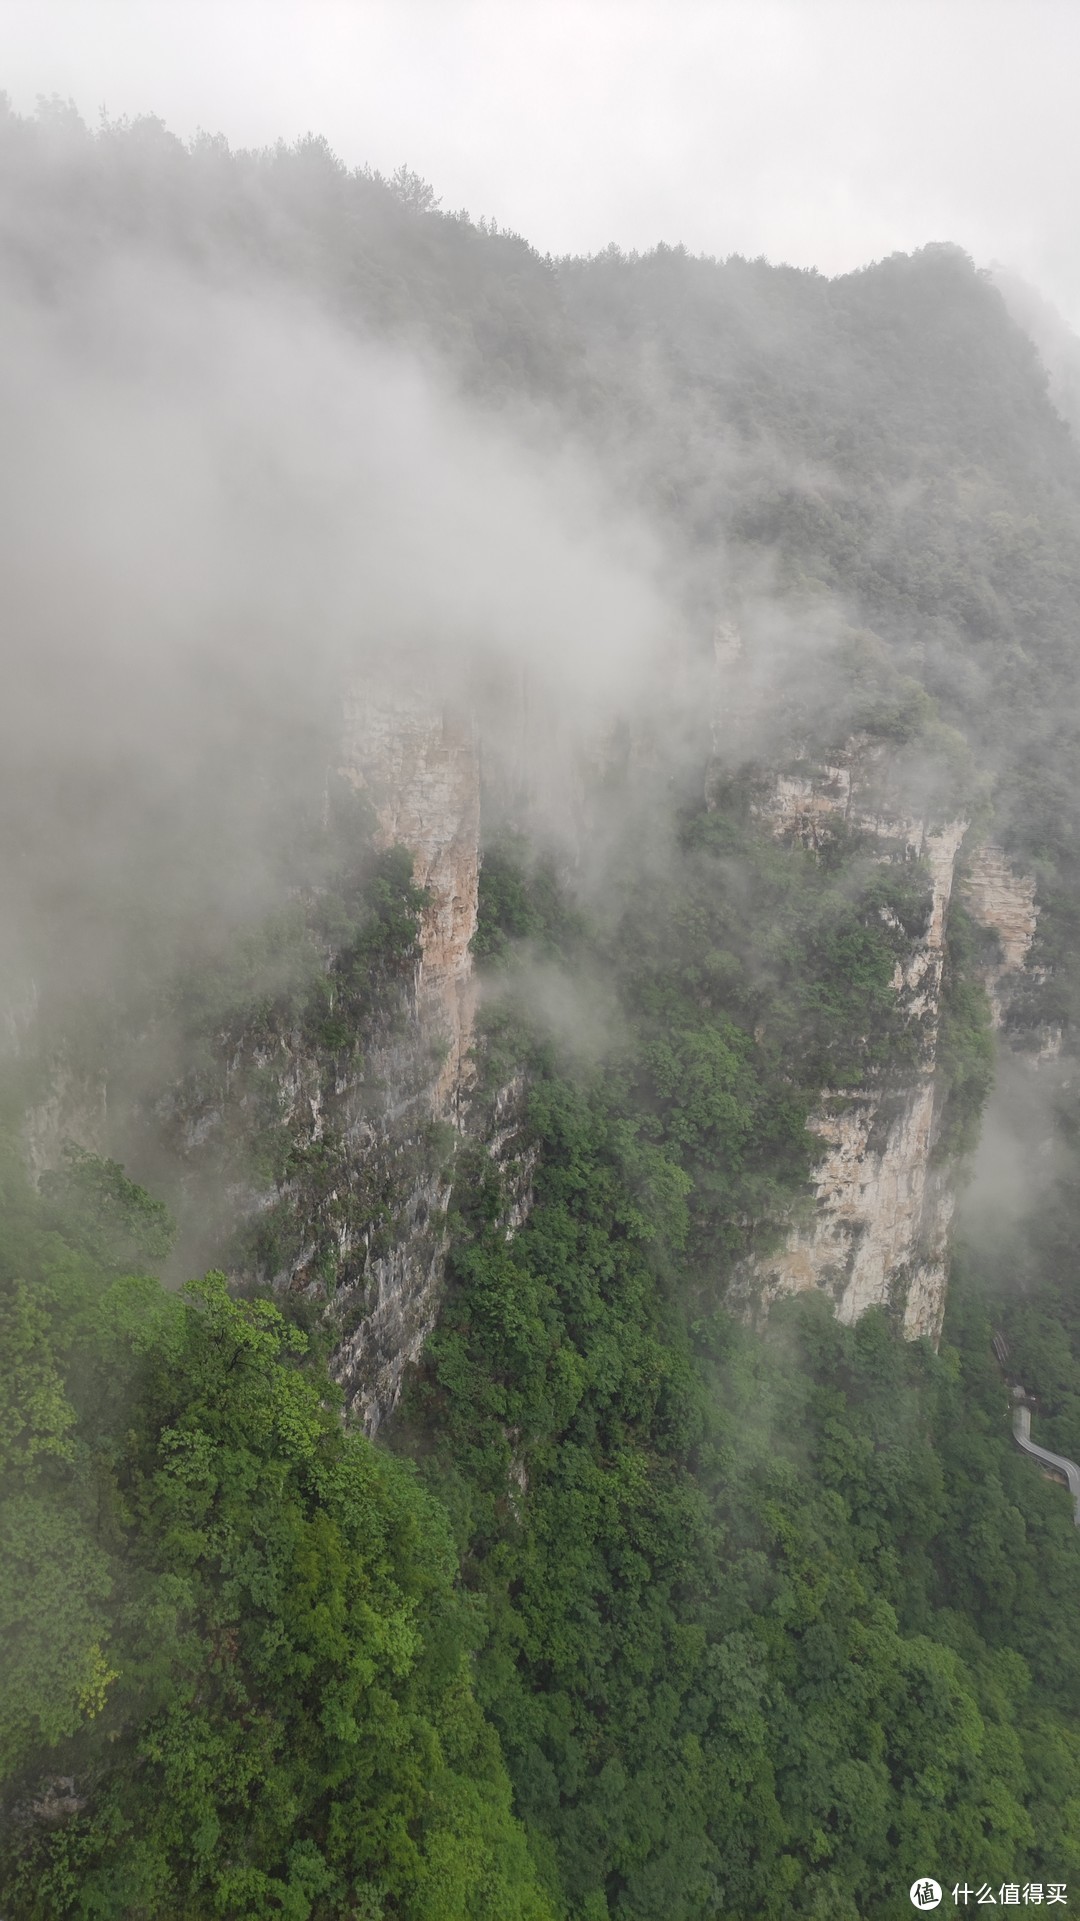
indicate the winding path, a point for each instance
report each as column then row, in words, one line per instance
column 1022, row 1436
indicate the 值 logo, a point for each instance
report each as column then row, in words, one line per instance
column 925, row 1893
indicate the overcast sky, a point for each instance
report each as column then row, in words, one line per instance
column 824, row 132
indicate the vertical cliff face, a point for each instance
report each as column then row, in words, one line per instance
column 70, row 1106
column 883, row 1204
column 878, row 1231
column 878, row 1235
column 1002, row 900
column 355, row 1215
column 63, row 1100
column 419, row 766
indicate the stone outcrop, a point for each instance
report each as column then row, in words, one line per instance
column 64, row 1100
column 878, row 1235
column 398, row 1296
column 878, row 1232
column 878, row 1228
column 419, row 764
column 1003, row 900
column 360, row 1221
column 71, row 1107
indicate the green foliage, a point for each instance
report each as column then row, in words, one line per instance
column 234, row 1626
column 520, row 901
column 879, row 699
column 307, row 992
column 317, row 968
column 764, row 1620
column 965, row 1048
column 93, row 1203
column 762, row 1627
column 753, row 975
column 766, row 1626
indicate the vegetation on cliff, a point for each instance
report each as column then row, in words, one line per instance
column 639, row 1613
column 756, row 1626
column 237, row 1676
column 769, row 1621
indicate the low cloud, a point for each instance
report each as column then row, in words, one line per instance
column 218, row 507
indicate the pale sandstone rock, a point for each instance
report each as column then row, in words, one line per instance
column 402, row 1289
column 73, row 1108
column 1000, row 898
column 71, row 1103
column 879, row 1235
column 879, row 1231
column 419, row 764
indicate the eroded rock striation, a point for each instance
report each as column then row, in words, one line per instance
column 878, row 1232
column 371, row 1239
column 357, row 1219
column 883, row 1202
column 1002, row 900
column 418, row 762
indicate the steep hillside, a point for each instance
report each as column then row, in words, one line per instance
column 537, row 798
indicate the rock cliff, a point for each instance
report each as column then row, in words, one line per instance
column 71, row 1106
column 369, row 1236
column 63, row 1099
column 420, row 766
column 878, row 1231
column 883, row 1203
column 1002, row 900
column 355, row 1216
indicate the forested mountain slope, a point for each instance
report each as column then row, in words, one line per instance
column 537, row 796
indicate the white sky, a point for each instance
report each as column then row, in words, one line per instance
column 825, row 132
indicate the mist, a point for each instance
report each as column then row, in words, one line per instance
column 814, row 131
column 219, row 508
column 532, row 791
